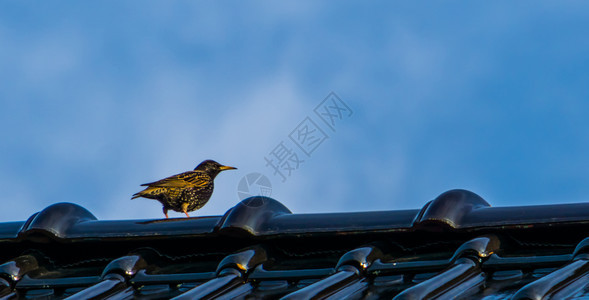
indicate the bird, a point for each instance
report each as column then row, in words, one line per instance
column 187, row 191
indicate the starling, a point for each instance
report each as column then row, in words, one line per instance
column 186, row 191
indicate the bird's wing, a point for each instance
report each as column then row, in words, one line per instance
column 190, row 178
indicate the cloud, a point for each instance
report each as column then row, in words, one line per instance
column 441, row 100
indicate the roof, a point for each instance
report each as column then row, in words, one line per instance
column 456, row 246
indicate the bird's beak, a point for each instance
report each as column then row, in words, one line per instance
column 223, row 168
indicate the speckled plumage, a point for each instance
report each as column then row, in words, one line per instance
column 186, row 191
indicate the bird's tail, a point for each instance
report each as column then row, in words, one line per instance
column 143, row 193
column 150, row 192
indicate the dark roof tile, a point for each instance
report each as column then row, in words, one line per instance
column 457, row 245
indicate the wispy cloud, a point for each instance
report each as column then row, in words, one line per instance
column 488, row 97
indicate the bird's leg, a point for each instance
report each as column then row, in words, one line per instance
column 165, row 212
column 185, row 209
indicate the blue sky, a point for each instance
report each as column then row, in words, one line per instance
column 97, row 98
